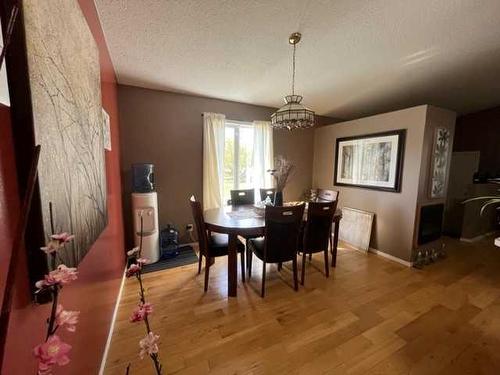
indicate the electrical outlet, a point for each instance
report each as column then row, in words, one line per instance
column 189, row 227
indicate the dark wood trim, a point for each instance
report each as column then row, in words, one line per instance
column 17, row 247
column 21, row 111
column 401, row 133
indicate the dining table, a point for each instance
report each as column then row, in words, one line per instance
column 248, row 221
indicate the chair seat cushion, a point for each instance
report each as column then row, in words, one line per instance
column 256, row 245
column 219, row 245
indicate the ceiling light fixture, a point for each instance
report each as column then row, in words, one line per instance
column 293, row 115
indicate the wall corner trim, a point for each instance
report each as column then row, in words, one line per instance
column 112, row 325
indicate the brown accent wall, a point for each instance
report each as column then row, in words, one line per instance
column 480, row 131
column 436, row 118
column 395, row 213
column 165, row 128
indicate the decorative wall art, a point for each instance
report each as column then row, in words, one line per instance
column 440, row 156
column 372, row 161
column 65, row 87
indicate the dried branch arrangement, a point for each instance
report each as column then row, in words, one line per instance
column 283, row 170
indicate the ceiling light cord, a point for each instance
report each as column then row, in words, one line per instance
column 293, row 69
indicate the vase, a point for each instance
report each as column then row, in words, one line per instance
column 278, row 198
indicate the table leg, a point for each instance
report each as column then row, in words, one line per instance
column 335, row 243
column 232, row 266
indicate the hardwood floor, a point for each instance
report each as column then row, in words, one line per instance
column 372, row 316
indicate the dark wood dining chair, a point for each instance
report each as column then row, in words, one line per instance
column 264, row 193
column 242, row 197
column 280, row 242
column 324, row 195
column 212, row 245
column 317, row 232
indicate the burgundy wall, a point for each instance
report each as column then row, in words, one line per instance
column 9, row 199
column 480, row 131
column 95, row 292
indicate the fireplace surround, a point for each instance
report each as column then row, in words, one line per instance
column 431, row 223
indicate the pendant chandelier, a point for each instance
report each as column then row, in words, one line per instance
column 293, row 115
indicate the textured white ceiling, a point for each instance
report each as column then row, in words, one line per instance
column 357, row 57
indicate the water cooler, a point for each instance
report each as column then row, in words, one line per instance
column 145, row 204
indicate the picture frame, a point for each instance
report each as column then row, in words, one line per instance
column 439, row 163
column 370, row 161
column 71, row 189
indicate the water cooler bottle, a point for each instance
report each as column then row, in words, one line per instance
column 145, row 205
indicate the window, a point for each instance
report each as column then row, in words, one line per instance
column 238, row 157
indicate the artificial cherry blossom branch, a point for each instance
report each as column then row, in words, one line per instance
column 54, row 351
column 149, row 344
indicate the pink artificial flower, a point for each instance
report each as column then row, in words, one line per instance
column 61, row 275
column 44, row 369
column 149, row 344
column 142, row 261
column 62, row 237
column 136, row 316
column 53, row 351
column 66, row 318
column 56, row 242
column 148, row 308
column 40, row 284
column 51, row 247
column 132, row 270
column 141, row 312
column 132, row 252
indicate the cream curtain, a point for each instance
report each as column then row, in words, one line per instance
column 262, row 155
column 213, row 159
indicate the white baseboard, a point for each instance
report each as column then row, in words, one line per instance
column 112, row 326
column 478, row 238
column 380, row 253
column 390, row 257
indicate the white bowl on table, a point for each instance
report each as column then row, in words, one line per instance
column 260, row 207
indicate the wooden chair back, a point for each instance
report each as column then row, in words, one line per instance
column 282, row 233
column 200, row 225
column 318, row 225
column 325, row 195
column 242, row 197
column 264, row 193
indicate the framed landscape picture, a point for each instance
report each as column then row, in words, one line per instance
column 65, row 87
column 371, row 161
column 56, row 104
